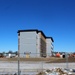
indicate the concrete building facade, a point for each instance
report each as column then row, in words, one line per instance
column 33, row 43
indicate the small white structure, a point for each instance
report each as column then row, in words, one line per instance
column 9, row 55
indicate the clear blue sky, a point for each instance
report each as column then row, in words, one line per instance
column 55, row 18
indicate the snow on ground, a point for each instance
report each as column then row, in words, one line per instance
column 31, row 66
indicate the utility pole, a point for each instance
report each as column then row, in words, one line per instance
column 18, row 64
column 66, row 60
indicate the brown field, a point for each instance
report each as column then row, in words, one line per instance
column 62, row 60
column 48, row 60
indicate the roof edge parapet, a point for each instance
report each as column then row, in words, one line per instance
column 36, row 30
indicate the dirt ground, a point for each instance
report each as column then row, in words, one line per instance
column 48, row 60
column 62, row 60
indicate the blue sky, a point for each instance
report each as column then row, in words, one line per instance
column 55, row 18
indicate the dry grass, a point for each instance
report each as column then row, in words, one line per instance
column 48, row 60
column 62, row 60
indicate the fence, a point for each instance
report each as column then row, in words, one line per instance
column 32, row 64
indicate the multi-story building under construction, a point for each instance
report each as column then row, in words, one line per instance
column 34, row 43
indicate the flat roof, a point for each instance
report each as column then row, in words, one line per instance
column 37, row 31
column 50, row 38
